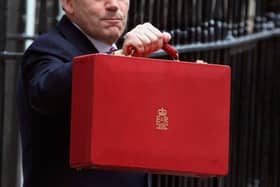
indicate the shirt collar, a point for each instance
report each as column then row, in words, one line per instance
column 100, row 46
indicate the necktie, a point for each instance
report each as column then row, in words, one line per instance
column 112, row 49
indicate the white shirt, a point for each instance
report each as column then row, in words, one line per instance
column 100, row 46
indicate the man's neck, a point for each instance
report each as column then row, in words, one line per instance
column 102, row 47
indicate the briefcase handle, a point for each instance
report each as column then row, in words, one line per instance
column 170, row 50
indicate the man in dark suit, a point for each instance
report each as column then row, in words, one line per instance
column 44, row 90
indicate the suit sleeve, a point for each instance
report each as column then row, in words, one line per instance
column 48, row 81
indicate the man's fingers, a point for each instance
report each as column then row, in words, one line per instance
column 153, row 29
column 133, row 42
column 141, row 42
column 153, row 43
column 145, row 39
column 145, row 42
column 166, row 37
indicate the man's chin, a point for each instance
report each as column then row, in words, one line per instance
column 113, row 29
column 111, row 38
column 113, row 35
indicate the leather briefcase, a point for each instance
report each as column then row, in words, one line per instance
column 150, row 115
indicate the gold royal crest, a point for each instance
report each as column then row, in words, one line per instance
column 162, row 119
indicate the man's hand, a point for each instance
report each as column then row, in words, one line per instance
column 144, row 39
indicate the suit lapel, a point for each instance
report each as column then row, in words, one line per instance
column 75, row 36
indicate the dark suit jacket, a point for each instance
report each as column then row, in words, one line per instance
column 43, row 96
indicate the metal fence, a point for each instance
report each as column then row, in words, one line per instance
column 244, row 34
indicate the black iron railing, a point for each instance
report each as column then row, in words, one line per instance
column 3, row 17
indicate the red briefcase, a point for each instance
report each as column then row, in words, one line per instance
column 150, row 115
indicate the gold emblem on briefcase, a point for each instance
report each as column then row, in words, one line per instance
column 162, row 119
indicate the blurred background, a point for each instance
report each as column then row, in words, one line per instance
column 244, row 34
